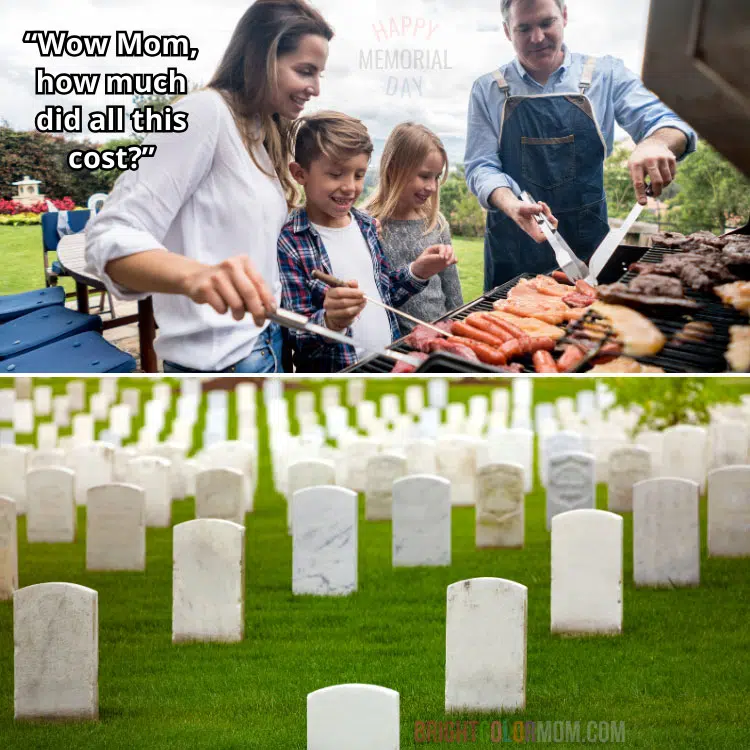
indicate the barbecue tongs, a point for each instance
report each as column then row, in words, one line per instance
column 298, row 322
column 573, row 267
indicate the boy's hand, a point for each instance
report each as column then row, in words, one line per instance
column 433, row 260
column 343, row 305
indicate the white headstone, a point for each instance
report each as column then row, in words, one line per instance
column 8, row 548
column 587, row 555
column 220, row 493
column 7, row 399
column 246, row 394
column 93, row 464
column 561, row 442
column 355, row 390
column 330, row 395
column 353, row 717
column 50, row 505
column 46, row 459
column 304, row 474
column 120, row 420
column 324, row 551
column 46, row 436
column 304, row 403
column 337, row 420
column 421, row 458
column 485, row 660
column 729, row 512
column 500, row 517
column 455, row 417
column 666, row 533
column 175, row 454
column 654, row 443
column 429, row 423
column 131, row 397
column 108, row 388
column 514, row 446
column 570, row 484
column 151, row 474
column 729, row 443
column 13, row 467
column 437, row 393
column 43, row 401
column 457, row 461
column 382, row 471
column 366, row 411
column 23, row 417
column 7, row 437
column 390, row 407
column 56, row 655
column 116, row 528
column 23, row 387
column 208, row 596
column 500, row 398
column 414, row 395
column 356, row 456
column 76, row 393
column 234, row 454
column 421, row 521
column 685, row 453
column 162, row 392
column 99, row 406
column 83, row 429
column 627, row 466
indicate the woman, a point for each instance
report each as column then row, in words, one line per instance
column 197, row 224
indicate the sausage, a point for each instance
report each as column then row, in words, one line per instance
column 470, row 332
column 544, row 362
column 571, row 358
column 506, row 325
column 480, row 321
column 512, row 348
column 561, row 278
column 541, row 343
column 486, row 354
column 450, row 345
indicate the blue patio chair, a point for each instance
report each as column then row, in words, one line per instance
column 14, row 306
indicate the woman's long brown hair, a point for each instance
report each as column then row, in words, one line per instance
column 247, row 75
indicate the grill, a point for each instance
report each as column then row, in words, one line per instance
column 706, row 356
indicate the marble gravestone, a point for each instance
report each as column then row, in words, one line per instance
column 8, row 548
column 42, row 398
column 570, row 483
column 47, row 459
column 175, row 454
column 13, row 467
column 421, row 521
column 353, row 717
column 324, row 549
column 93, row 464
column 116, row 528
column 500, row 520
column 485, row 643
column 729, row 442
column 514, row 446
column 357, row 455
column 382, row 471
column 50, row 505
column 587, row 562
column 56, row 654
column 46, row 436
column 208, row 594
column 666, row 533
column 220, row 493
column 729, row 512
column 234, row 454
column 151, row 474
column 457, row 462
column 565, row 441
column 304, row 474
column 627, row 466
column 420, row 458
column 685, row 453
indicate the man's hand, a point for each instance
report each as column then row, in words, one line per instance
column 656, row 157
column 234, row 284
column 343, row 305
column 433, row 260
column 522, row 213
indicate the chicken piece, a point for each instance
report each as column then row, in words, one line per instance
column 548, row 286
column 641, row 338
column 531, row 326
column 738, row 352
column 625, row 365
column 737, row 295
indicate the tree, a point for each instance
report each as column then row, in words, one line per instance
column 460, row 207
column 713, row 194
column 666, row 402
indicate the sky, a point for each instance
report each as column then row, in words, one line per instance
column 466, row 37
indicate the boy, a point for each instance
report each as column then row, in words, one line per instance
column 332, row 153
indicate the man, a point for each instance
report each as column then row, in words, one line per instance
column 544, row 124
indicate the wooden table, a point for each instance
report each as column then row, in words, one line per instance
column 71, row 253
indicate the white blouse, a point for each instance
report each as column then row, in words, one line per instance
column 200, row 196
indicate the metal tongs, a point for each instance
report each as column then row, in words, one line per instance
column 573, row 267
column 298, row 322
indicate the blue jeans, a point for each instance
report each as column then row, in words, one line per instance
column 264, row 358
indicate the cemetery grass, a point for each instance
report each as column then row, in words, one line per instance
column 678, row 677
column 23, row 270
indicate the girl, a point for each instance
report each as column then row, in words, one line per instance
column 197, row 224
column 407, row 202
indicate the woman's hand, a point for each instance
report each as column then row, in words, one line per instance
column 343, row 305
column 234, row 284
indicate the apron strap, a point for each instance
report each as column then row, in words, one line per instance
column 588, row 75
column 502, row 83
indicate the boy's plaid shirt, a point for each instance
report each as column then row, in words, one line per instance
column 301, row 251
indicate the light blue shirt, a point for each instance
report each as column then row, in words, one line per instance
column 617, row 96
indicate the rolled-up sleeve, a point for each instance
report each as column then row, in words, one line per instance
column 484, row 171
column 143, row 204
column 641, row 113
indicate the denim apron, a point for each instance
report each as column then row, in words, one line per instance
column 552, row 146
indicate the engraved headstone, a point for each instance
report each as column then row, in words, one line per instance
column 116, row 528
column 514, row 446
column 93, row 464
column 420, row 457
column 421, row 521
column 570, row 484
column 234, row 454
column 220, row 493
column 729, row 443
column 304, row 474
column 685, row 453
column 566, row 441
column 382, row 471
column 357, row 455
column 46, row 459
column 729, row 512
column 627, row 466
column 457, row 462
column 151, row 474
column 50, row 505
column 500, row 518
column 13, row 467
column 8, row 548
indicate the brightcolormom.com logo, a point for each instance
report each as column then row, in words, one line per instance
column 475, row 732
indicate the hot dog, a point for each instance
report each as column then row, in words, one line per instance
column 571, row 358
column 512, row 348
column 481, row 321
column 487, row 354
column 544, row 362
column 475, row 334
column 539, row 344
column 561, row 278
column 506, row 325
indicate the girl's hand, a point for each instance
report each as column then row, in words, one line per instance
column 433, row 260
column 234, row 284
column 343, row 306
column 379, row 229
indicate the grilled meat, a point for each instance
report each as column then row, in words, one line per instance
column 737, row 295
column 421, row 336
column 738, row 352
column 625, row 365
column 648, row 291
column 668, row 239
column 402, row 368
column 640, row 336
column 530, row 326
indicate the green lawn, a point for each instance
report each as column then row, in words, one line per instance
column 23, row 270
column 678, row 677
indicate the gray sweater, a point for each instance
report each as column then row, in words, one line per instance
column 403, row 242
